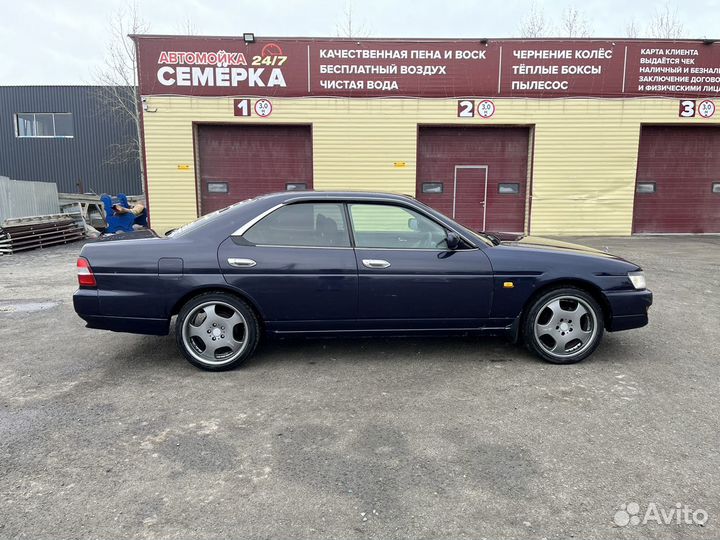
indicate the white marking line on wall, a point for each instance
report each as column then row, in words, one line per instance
column 500, row 69
column 624, row 69
column 308, row 54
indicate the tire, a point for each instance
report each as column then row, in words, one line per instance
column 564, row 325
column 217, row 331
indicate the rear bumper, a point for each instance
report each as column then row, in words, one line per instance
column 86, row 304
column 152, row 327
column 628, row 309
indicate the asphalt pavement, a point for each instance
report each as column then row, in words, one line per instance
column 106, row 435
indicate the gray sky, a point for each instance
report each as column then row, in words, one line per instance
column 64, row 41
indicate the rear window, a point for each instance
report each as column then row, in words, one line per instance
column 202, row 220
column 302, row 225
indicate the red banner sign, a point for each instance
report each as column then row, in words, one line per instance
column 201, row 66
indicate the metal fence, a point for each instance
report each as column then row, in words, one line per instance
column 20, row 198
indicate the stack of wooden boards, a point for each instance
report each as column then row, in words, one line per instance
column 20, row 234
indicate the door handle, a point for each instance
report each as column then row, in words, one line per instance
column 375, row 263
column 241, row 263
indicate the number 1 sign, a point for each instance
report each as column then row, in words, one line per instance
column 241, row 107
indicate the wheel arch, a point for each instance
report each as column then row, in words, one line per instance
column 218, row 289
column 584, row 285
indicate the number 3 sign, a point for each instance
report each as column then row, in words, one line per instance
column 689, row 107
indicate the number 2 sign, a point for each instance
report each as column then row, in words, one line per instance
column 466, row 108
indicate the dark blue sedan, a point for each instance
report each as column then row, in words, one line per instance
column 323, row 263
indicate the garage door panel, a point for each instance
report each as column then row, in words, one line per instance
column 469, row 186
column 681, row 162
column 504, row 151
column 251, row 161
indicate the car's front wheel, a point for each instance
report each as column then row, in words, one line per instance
column 564, row 325
column 216, row 331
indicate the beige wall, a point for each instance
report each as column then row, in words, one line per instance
column 584, row 158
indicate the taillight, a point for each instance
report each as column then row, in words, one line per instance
column 86, row 278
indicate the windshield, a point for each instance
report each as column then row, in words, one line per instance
column 485, row 237
column 203, row 220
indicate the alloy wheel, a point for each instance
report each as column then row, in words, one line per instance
column 565, row 326
column 215, row 333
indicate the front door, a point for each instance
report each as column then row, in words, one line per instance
column 408, row 278
column 470, row 196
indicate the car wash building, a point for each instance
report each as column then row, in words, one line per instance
column 552, row 137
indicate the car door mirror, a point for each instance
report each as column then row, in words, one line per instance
column 452, row 240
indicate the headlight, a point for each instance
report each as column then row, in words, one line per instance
column 638, row 279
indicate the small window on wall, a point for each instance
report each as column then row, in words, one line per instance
column 512, row 188
column 63, row 124
column 646, row 187
column 44, row 125
column 217, row 187
column 432, row 187
column 716, row 187
column 296, row 186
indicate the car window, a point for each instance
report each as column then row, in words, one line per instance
column 203, row 220
column 394, row 227
column 302, row 224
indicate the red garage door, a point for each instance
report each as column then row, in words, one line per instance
column 239, row 162
column 476, row 175
column 677, row 188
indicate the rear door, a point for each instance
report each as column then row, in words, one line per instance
column 408, row 278
column 297, row 264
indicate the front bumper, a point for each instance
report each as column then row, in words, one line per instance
column 628, row 309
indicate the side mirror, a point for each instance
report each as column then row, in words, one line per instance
column 412, row 224
column 453, row 240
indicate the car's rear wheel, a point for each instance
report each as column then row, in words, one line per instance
column 216, row 331
column 564, row 325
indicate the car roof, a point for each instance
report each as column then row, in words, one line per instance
column 293, row 196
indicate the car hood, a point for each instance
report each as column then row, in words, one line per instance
column 538, row 242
